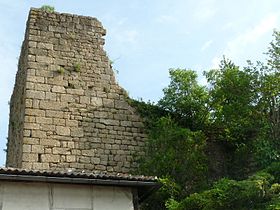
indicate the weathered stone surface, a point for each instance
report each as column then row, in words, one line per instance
column 47, row 46
column 58, row 89
column 50, row 158
column 37, row 149
column 44, row 120
column 44, row 59
column 96, row 101
column 61, row 130
column 29, row 157
column 49, row 142
column 35, row 94
column 67, row 109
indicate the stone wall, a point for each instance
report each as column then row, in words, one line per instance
column 17, row 110
column 71, row 112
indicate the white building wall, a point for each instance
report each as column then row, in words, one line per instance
column 42, row 196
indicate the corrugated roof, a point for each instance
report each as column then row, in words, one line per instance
column 73, row 174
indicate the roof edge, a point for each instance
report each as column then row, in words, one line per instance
column 77, row 180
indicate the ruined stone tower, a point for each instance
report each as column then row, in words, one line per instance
column 67, row 111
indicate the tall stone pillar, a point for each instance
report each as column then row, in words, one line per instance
column 67, row 111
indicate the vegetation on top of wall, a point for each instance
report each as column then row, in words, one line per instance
column 238, row 108
column 47, row 8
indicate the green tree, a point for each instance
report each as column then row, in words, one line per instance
column 239, row 109
column 178, row 154
column 267, row 144
column 271, row 88
column 234, row 114
column 232, row 101
column 186, row 99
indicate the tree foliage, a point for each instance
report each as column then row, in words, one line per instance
column 177, row 154
column 173, row 151
column 186, row 99
column 233, row 96
column 239, row 109
column 257, row 192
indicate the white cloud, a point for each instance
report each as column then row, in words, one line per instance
column 251, row 36
column 121, row 42
column 228, row 26
column 242, row 44
column 206, row 9
column 166, row 19
column 122, row 21
column 206, row 45
column 130, row 36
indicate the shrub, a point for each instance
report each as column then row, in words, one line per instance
column 47, row 8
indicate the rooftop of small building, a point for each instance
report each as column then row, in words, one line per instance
column 72, row 173
column 145, row 185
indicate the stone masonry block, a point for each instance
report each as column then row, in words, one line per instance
column 30, row 119
column 44, row 59
column 70, row 158
column 108, row 103
column 47, row 46
column 67, row 98
column 51, row 96
column 40, row 166
column 58, row 121
column 52, row 113
column 96, row 101
column 58, row 89
column 110, row 122
column 88, row 152
column 35, row 94
column 32, row 126
column 38, row 134
column 42, row 87
column 50, row 158
column 59, row 150
column 35, row 79
column 44, row 120
column 77, row 132
column 119, row 104
column 28, row 103
column 29, row 140
column 26, row 165
column 85, row 100
column 49, row 142
column 29, row 157
column 37, row 149
column 52, row 105
column 75, row 91
column 26, row 148
column 72, row 123
column 62, row 130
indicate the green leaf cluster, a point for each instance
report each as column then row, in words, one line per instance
column 177, row 152
column 259, row 191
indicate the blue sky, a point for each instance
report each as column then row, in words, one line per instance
column 147, row 37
